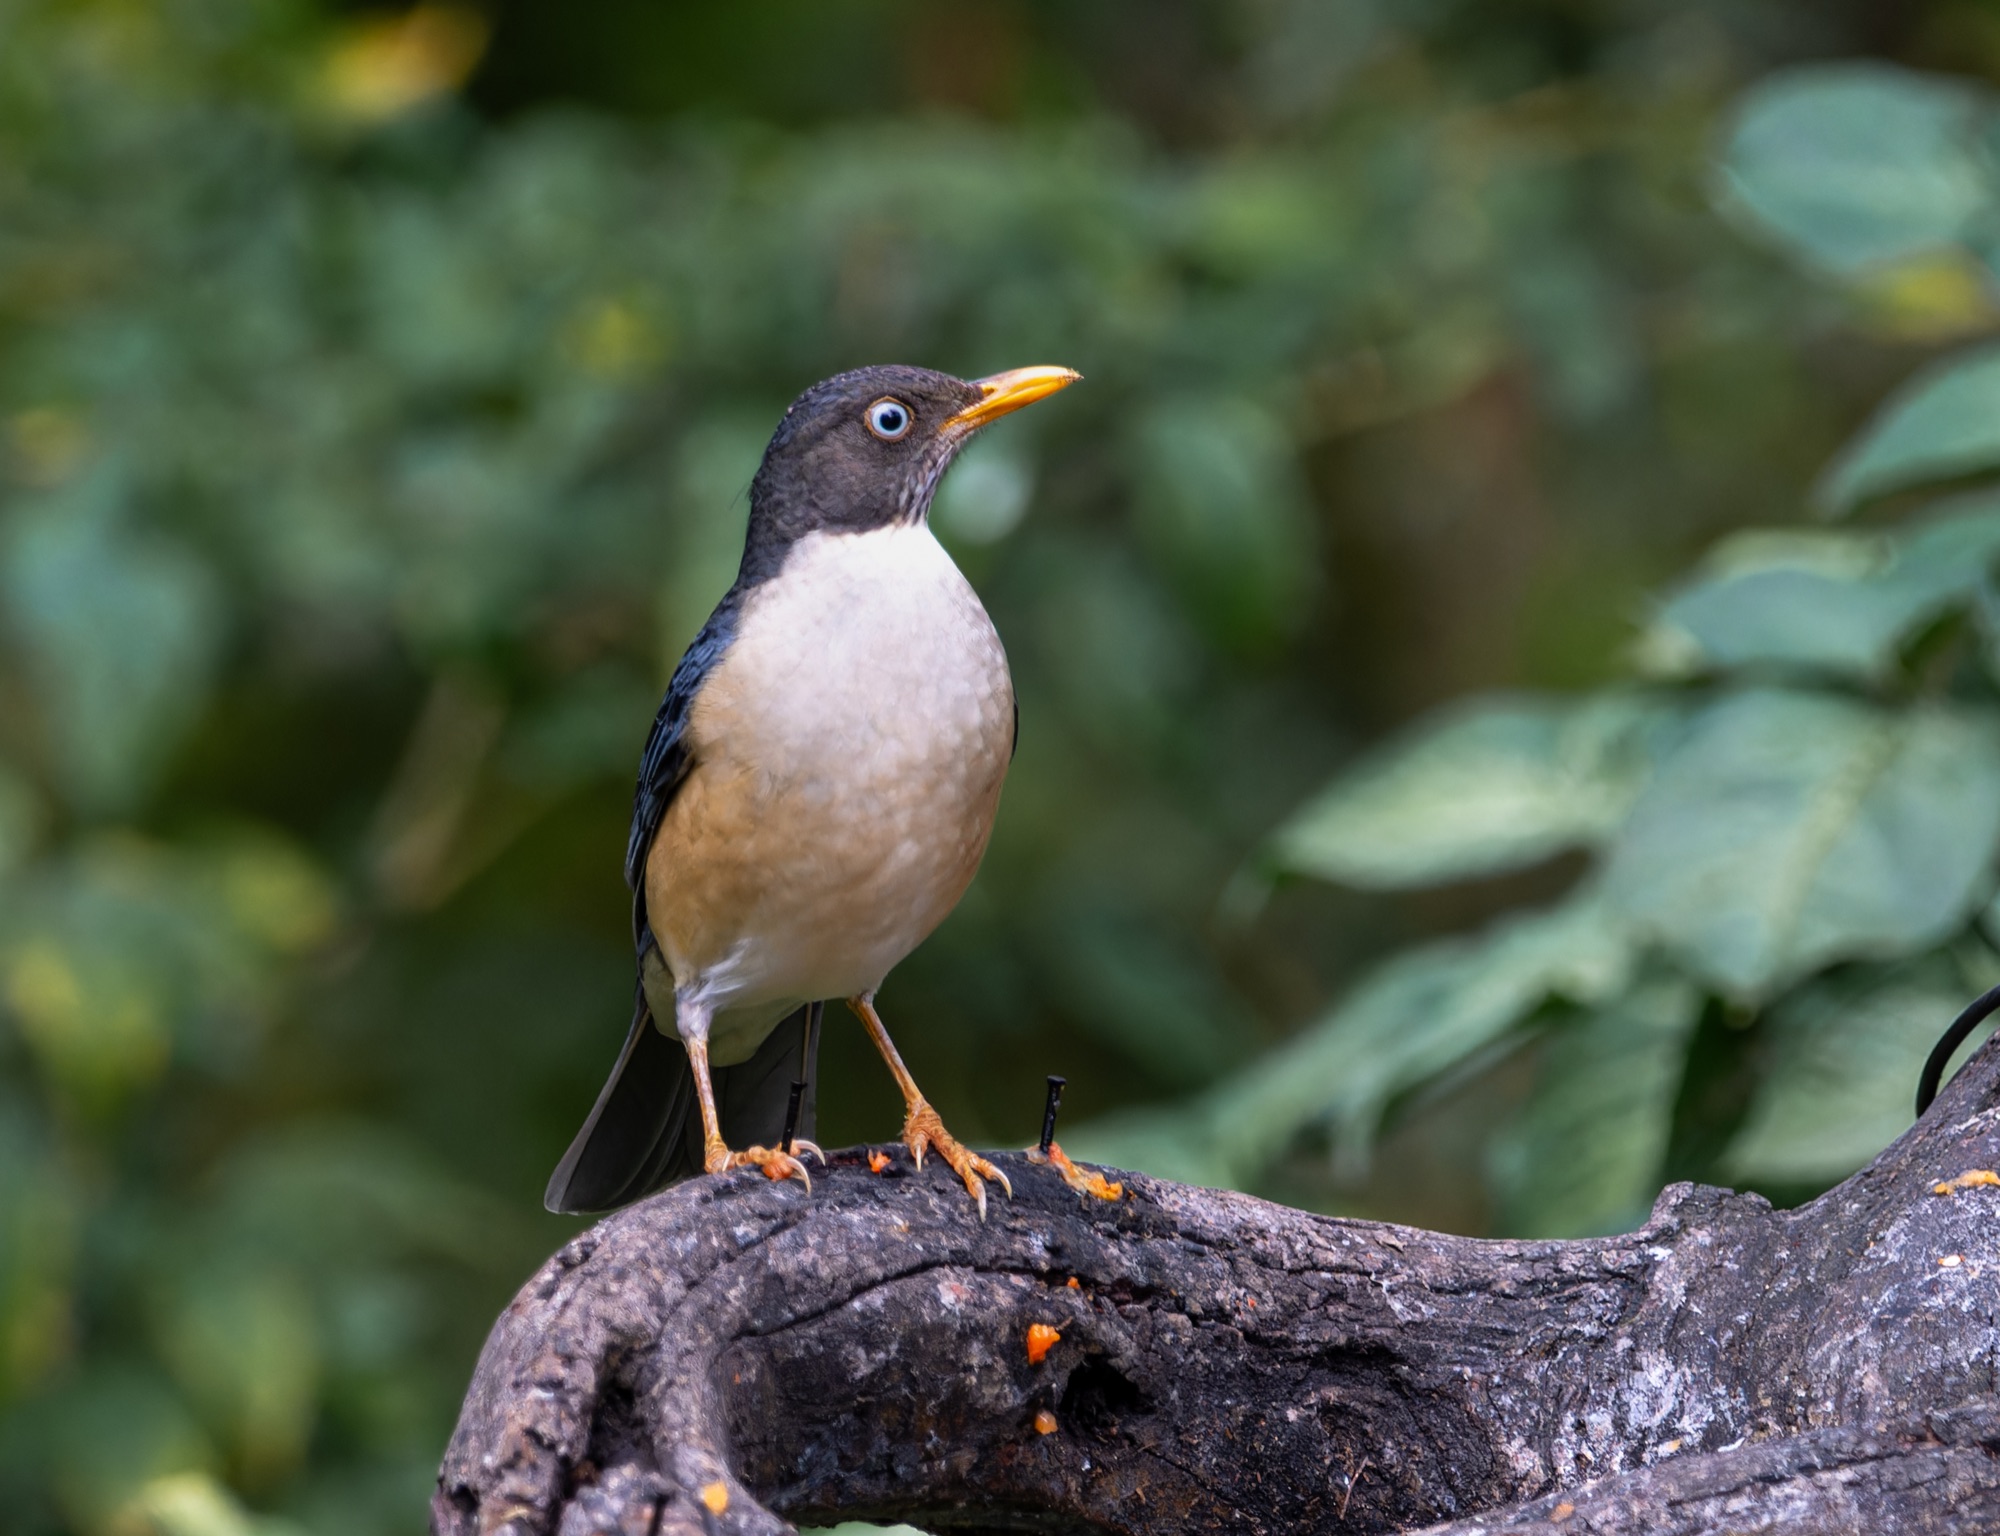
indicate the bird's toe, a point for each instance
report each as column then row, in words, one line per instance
column 774, row 1164
column 924, row 1132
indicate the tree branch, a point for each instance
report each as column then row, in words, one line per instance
column 733, row 1351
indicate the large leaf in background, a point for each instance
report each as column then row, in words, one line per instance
column 114, row 1433
column 244, row 1345
column 1792, row 828
column 1220, row 507
column 20, row 821
column 1496, row 785
column 1584, row 1154
column 120, row 630
column 39, row 1230
column 1171, row 1141
column 1423, row 1012
column 1138, row 986
column 1943, row 423
column 128, row 954
column 1855, row 165
column 1843, row 1064
column 1831, row 602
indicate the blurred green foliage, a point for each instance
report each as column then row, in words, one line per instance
column 1788, row 816
column 377, row 394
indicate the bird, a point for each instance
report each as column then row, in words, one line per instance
column 815, row 794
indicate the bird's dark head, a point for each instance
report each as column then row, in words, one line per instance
column 866, row 450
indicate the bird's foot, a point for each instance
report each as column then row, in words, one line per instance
column 1077, row 1177
column 775, row 1164
column 924, row 1132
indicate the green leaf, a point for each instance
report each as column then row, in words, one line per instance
column 1476, row 790
column 196, row 1504
column 122, row 633
column 40, row 1219
column 1837, row 1085
column 1584, row 1154
column 1222, row 511
column 1175, row 1142
column 1791, row 828
column 1144, row 990
column 1830, row 602
column 1856, row 165
column 1942, row 423
column 241, row 1338
column 986, row 494
column 863, row 1528
column 1422, row 1012
column 713, row 469
column 20, row 822
column 114, row 1431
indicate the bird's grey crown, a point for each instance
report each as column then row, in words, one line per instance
column 824, row 470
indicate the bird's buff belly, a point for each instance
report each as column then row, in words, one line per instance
column 764, row 895
column 849, row 753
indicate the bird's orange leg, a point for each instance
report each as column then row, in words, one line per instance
column 923, row 1131
column 716, row 1156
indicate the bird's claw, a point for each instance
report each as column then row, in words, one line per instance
column 774, row 1164
column 923, row 1131
column 1078, row 1178
column 800, row 1144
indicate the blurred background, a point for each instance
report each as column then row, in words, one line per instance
column 1466, row 774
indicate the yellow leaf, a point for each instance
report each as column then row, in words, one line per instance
column 382, row 67
column 1930, row 298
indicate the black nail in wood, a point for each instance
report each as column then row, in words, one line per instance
column 1056, row 1086
column 808, row 1043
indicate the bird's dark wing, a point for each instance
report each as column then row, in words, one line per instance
column 645, row 1129
column 666, row 760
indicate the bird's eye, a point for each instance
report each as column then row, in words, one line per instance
column 888, row 419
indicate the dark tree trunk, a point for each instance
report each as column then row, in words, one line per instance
column 735, row 1351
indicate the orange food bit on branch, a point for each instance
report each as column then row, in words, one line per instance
column 716, row 1497
column 1968, row 1180
column 1041, row 1339
column 877, row 1161
column 1045, row 1422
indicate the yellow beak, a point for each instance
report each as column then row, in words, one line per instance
column 1009, row 391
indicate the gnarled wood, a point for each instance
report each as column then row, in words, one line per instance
column 1227, row 1364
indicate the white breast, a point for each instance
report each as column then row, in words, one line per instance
column 853, row 740
column 868, row 660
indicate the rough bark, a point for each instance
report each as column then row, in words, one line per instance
column 1226, row 1364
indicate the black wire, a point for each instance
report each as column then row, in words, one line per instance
column 808, row 1038
column 1950, row 1041
column 807, row 1046
column 792, row 1115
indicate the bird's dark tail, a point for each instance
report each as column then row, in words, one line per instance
column 645, row 1129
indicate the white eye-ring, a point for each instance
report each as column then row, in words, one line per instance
column 889, row 419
